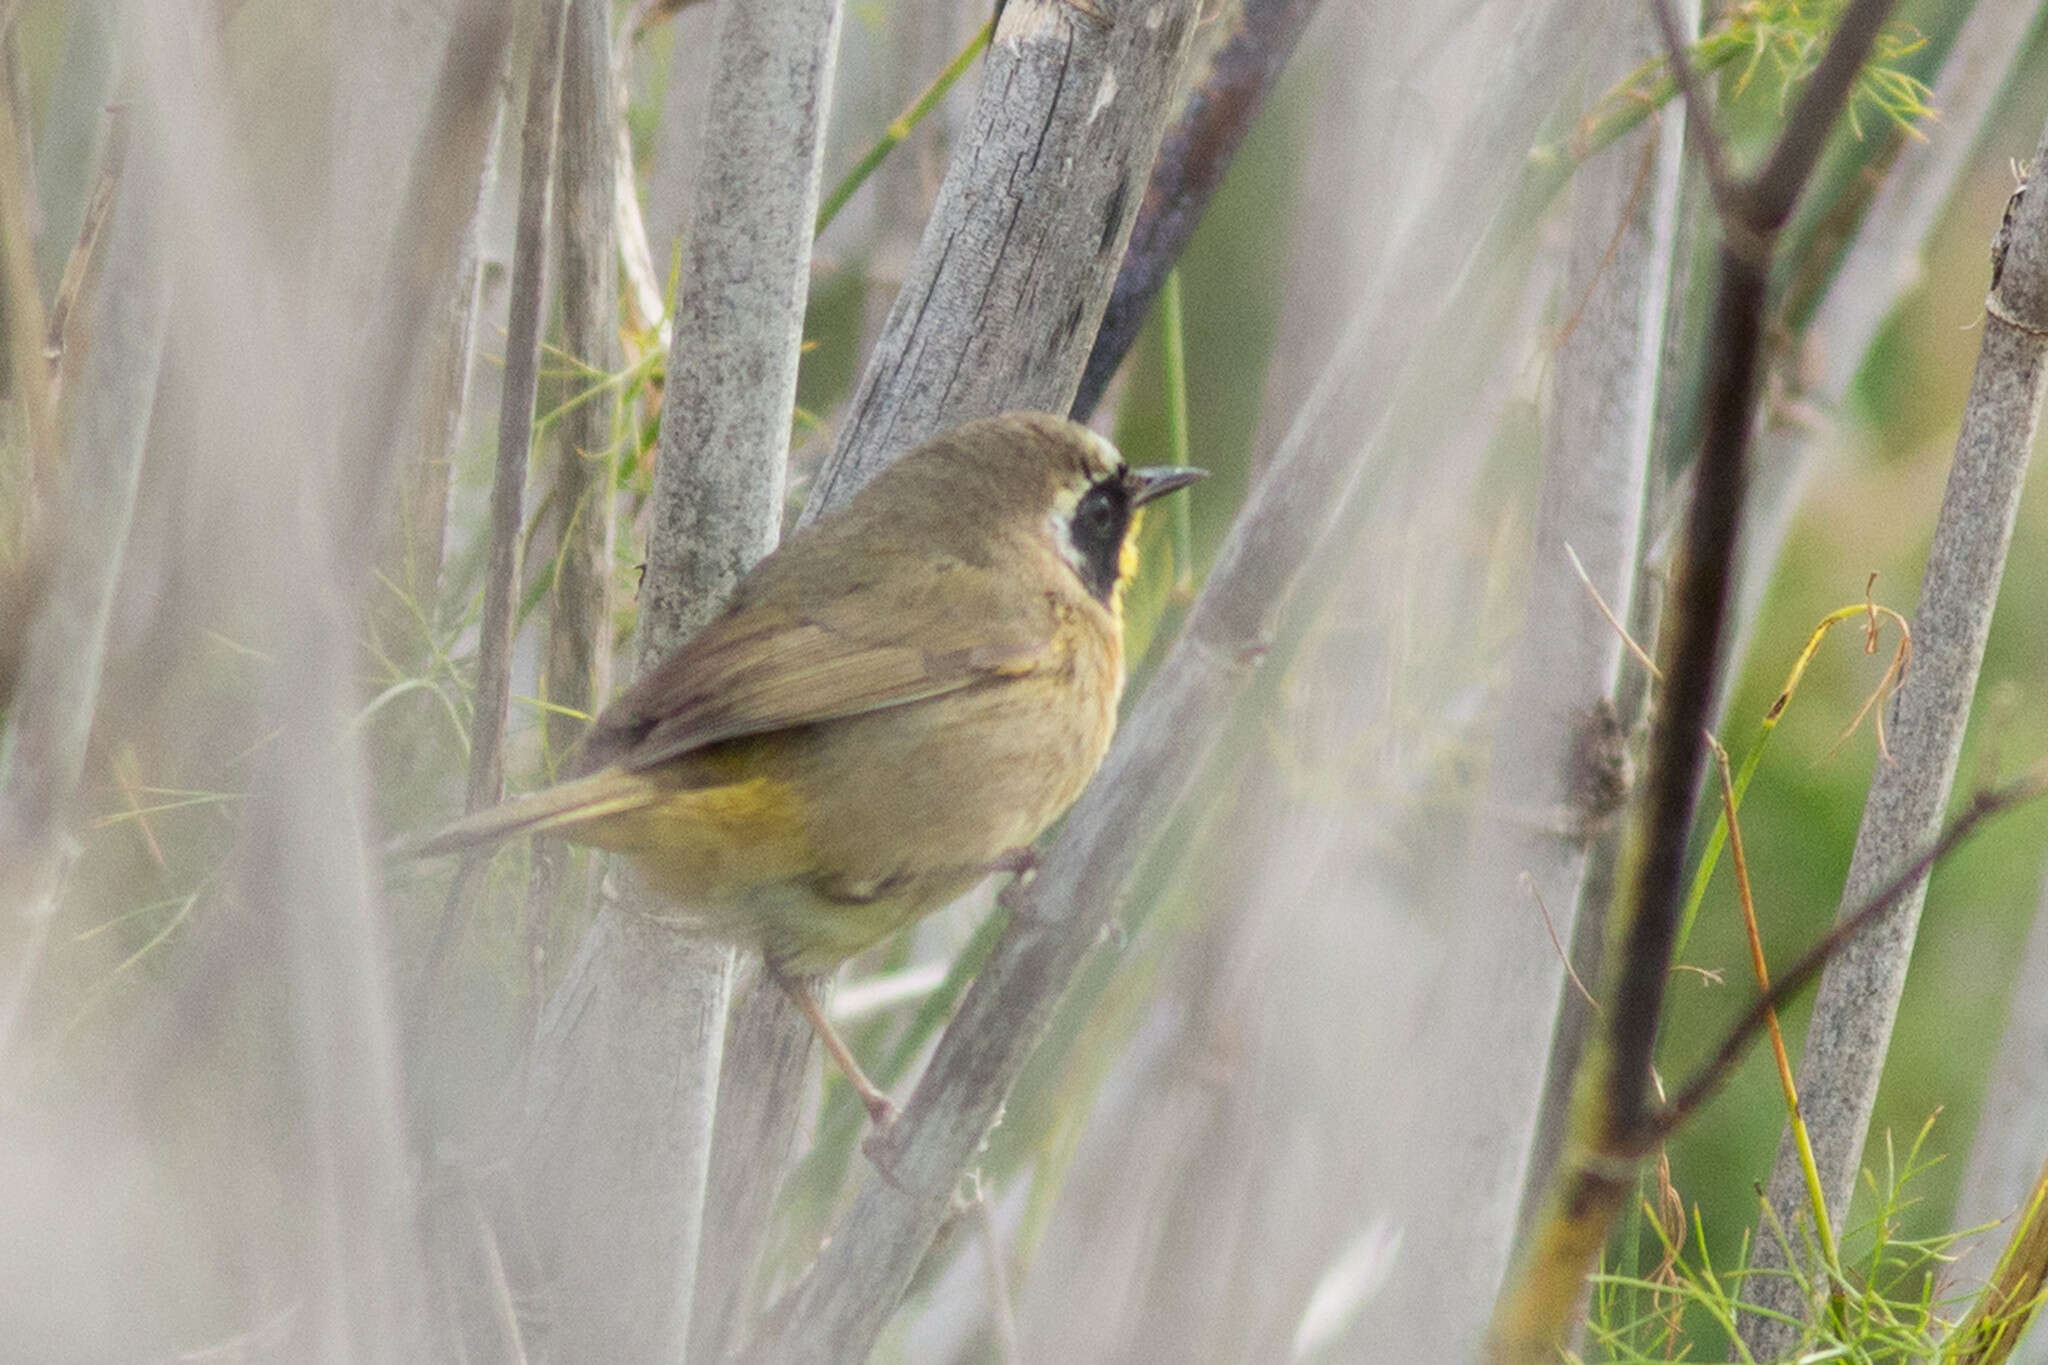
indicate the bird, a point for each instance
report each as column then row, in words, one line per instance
column 893, row 705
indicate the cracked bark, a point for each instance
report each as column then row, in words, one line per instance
column 998, row 312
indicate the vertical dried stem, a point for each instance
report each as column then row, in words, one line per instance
column 997, row 312
column 576, row 673
column 507, row 516
column 579, row 627
column 26, row 329
column 515, row 414
column 622, row 1084
column 42, row 752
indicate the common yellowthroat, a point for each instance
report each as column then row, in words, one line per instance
column 894, row 704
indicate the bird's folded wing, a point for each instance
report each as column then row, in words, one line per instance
column 773, row 664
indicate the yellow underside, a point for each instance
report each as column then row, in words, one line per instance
column 734, row 861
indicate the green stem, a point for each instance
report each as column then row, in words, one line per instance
column 1173, row 331
column 905, row 123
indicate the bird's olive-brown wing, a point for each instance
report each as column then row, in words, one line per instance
column 795, row 652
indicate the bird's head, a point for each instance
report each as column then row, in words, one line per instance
column 1034, row 474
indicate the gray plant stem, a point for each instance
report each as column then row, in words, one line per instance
column 1881, row 265
column 515, row 413
column 621, row 1089
column 1859, row 993
column 42, row 752
column 1547, row 797
column 576, row 672
column 998, row 311
column 73, row 134
column 2006, row 1154
column 761, row 1093
column 492, row 705
column 837, row 1310
column 423, row 493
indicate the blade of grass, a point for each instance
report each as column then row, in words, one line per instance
column 1824, row 1228
column 1718, row 839
column 902, row 127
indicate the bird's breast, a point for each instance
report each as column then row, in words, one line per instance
column 955, row 781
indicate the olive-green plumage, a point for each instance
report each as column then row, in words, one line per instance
column 896, row 699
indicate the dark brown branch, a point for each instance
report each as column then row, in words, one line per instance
column 1193, row 158
column 1677, row 756
column 1774, row 190
column 1751, row 217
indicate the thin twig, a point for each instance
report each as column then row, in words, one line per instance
column 1824, row 1230
column 1550, row 927
column 901, row 127
column 515, row 412
column 1678, row 54
column 1628, row 641
column 496, row 626
column 1795, row 978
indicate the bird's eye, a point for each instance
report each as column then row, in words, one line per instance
column 1097, row 535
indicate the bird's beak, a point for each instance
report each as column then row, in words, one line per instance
column 1160, row 480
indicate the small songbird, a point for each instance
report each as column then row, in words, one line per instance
column 894, row 704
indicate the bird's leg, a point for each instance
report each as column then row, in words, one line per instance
column 881, row 1109
column 1022, row 865
column 1021, row 862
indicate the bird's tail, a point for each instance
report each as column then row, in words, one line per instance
column 611, row 791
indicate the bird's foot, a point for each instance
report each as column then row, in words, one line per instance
column 1022, row 865
column 1019, row 862
column 881, row 1152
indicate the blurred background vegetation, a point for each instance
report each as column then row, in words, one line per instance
column 163, row 786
